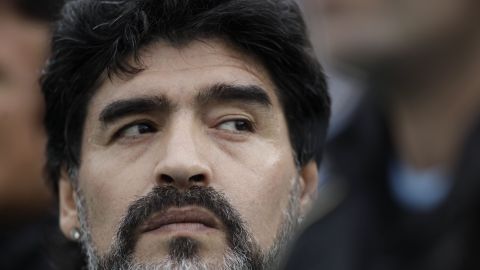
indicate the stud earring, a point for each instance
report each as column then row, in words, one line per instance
column 75, row 234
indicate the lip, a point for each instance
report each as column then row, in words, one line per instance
column 186, row 218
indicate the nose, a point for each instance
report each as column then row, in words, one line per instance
column 183, row 163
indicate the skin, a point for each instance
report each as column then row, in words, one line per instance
column 422, row 55
column 254, row 169
column 23, row 47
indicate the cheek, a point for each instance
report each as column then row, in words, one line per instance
column 109, row 186
column 257, row 183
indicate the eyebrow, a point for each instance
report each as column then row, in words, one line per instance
column 218, row 93
column 229, row 93
column 122, row 108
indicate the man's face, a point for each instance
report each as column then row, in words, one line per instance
column 187, row 161
column 371, row 30
column 23, row 47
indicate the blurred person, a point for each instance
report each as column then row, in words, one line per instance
column 180, row 131
column 404, row 191
column 24, row 195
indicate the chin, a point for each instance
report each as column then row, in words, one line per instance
column 186, row 251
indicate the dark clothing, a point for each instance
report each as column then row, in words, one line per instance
column 24, row 246
column 38, row 245
column 366, row 229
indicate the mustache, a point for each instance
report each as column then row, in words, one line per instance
column 163, row 197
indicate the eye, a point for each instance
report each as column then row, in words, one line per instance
column 135, row 130
column 236, row 126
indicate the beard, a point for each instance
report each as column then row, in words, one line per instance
column 183, row 252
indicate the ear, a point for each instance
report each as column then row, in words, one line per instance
column 309, row 186
column 67, row 204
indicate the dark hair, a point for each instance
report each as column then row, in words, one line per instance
column 98, row 37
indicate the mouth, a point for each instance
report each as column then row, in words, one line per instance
column 193, row 219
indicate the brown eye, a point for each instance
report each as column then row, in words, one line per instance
column 135, row 130
column 236, row 126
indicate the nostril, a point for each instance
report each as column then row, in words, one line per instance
column 197, row 178
column 167, row 178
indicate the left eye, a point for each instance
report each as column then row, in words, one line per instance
column 135, row 130
column 236, row 126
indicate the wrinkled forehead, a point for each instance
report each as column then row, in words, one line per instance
column 181, row 72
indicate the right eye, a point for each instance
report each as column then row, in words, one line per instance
column 134, row 131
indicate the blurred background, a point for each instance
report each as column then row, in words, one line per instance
column 26, row 219
column 400, row 181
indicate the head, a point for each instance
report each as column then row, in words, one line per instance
column 369, row 32
column 182, row 134
column 24, row 36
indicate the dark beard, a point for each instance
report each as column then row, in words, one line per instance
column 162, row 198
column 183, row 248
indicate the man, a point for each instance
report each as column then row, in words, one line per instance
column 405, row 169
column 24, row 196
column 182, row 134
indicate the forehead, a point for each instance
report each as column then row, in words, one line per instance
column 179, row 73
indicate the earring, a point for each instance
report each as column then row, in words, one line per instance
column 75, row 234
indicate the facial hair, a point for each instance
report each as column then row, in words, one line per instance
column 242, row 252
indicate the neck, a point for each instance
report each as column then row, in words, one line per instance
column 432, row 103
